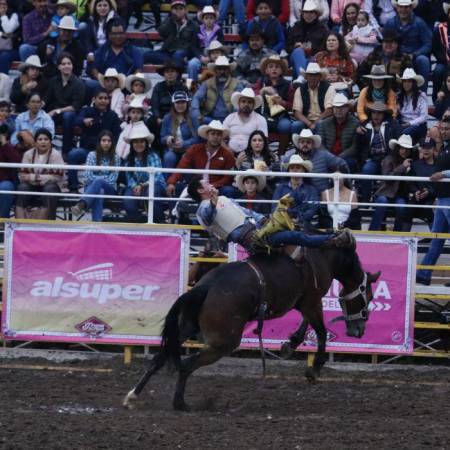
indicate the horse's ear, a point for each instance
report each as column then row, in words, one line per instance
column 372, row 277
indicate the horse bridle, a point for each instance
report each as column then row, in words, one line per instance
column 359, row 291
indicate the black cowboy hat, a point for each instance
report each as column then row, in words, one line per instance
column 255, row 30
column 390, row 34
column 169, row 64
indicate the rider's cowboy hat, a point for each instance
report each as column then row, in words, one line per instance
column 299, row 161
column 250, row 173
column 405, row 140
column 412, row 3
column 67, row 23
column 340, row 100
column 137, row 103
column 112, row 73
column 247, row 93
column 222, row 61
column 378, row 107
column 140, row 131
column 137, row 77
column 207, row 10
column 314, row 69
column 31, row 61
column 410, row 74
column 307, row 134
column 378, row 72
column 216, row 45
column 274, row 59
column 312, row 5
column 213, row 125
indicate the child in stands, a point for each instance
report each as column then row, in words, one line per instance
column 362, row 38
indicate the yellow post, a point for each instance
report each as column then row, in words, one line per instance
column 127, row 354
column 310, row 360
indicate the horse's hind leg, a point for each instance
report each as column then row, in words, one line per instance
column 287, row 349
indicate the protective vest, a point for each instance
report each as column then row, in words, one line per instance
column 229, row 216
column 212, row 94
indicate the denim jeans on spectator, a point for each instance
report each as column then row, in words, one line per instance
column 134, row 207
column 6, row 58
column 67, row 120
column 417, row 132
column 170, row 159
column 286, row 126
column 422, row 66
column 193, row 68
column 380, row 213
column 26, row 50
column 97, row 187
column 159, row 57
column 438, row 78
column 297, row 238
column 238, row 8
column 6, row 200
column 351, row 163
column 298, row 61
column 76, row 156
column 91, row 86
column 441, row 224
column 370, row 167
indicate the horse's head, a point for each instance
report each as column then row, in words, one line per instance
column 354, row 301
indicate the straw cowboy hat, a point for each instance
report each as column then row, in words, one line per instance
column 378, row 107
column 31, row 61
column 274, row 59
column 68, row 23
column 216, row 125
column 112, row 73
column 140, row 131
column 250, row 173
column 68, row 4
column 138, row 77
column 207, row 10
column 314, row 69
column 137, row 102
column 445, row 7
column 340, row 100
column 222, row 61
column 93, row 2
column 405, row 140
column 412, row 3
column 216, row 45
column 378, row 72
column 410, row 74
column 307, row 134
column 247, row 93
column 311, row 5
column 299, row 161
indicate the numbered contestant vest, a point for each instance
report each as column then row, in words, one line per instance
column 229, row 216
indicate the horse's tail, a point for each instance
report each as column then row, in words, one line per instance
column 186, row 308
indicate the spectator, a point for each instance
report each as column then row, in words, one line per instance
column 349, row 17
column 33, row 119
column 338, row 132
column 378, row 89
column 92, row 120
column 277, row 94
column 413, row 105
column 178, row 130
column 212, row 101
column 50, row 49
column 305, row 193
column 248, row 61
column 209, row 155
column 101, row 182
column 40, row 180
column 441, row 221
column 372, row 143
column 8, row 176
column 36, row 26
column 362, row 38
column 180, row 37
column 430, row 11
column 383, row 10
column 306, row 37
column 396, row 163
column 415, row 34
column 5, row 115
column 31, row 80
column 63, row 8
column 337, row 11
column 113, row 83
column 313, row 99
column 442, row 102
column 251, row 187
column 268, row 24
column 238, row 8
column 280, row 9
column 142, row 155
column 307, row 145
column 138, row 86
column 245, row 120
column 64, row 99
column 9, row 25
column 296, row 8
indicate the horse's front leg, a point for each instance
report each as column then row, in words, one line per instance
column 312, row 373
column 295, row 339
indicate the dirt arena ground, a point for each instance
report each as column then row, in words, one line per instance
column 77, row 405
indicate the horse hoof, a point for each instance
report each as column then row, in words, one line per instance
column 286, row 350
column 128, row 400
column 310, row 375
column 181, row 406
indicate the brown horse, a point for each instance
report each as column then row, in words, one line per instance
column 231, row 295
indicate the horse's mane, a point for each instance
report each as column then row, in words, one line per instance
column 347, row 261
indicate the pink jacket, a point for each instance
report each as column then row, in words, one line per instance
column 337, row 8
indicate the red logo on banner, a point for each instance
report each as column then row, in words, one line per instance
column 93, row 326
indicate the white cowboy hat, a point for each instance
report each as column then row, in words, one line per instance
column 247, row 93
column 213, row 125
column 378, row 72
column 207, row 10
column 299, row 161
column 112, row 73
column 410, row 74
column 222, row 61
column 68, row 23
column 216, row 45
column 405, row 140
column 69, row 4
column 313, row 69
column 311, row 5
column 250, row 173
column 340, row 100
column 31, row 61
column 445, row 7
column 138, row 77
column 140, row 131
column 307, row 134
column 137, row 102
column 412, row 3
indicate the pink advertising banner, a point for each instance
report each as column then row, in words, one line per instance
column 91, row 284
column 391, row 322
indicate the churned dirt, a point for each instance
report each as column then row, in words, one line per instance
column 71, row 406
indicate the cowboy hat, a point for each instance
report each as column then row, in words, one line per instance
column 274, row 59
column 67, row 23
column 112, row 73
column 340, row 100
column 412, row 3
column 94, row 2
column 137, row 77
column 222, row 61
column 140, row 131
column 31, row 61
column 299, row 161
column 307, row 134
column 250, row 173
column 445, row 7
column 247, row 93
column 216, row 45
column 169, row 64
column 410, row 74
column 311, row 5
column 313, row 69
column 213, row 125
column 207, row 10
column 69, row 4
column 378, row 107
column 137, row 102
column 378, row 72
column 405, row 140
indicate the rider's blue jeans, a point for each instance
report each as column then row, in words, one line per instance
column 297, row 238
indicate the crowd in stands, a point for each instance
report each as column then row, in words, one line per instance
column 338, row 85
